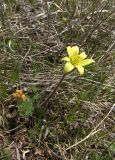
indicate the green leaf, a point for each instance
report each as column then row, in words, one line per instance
column 12, row 2
column 112, row 148
column 26, row 108
column 31, row 1
column 72, row 118
column 3, row 90
column 95, row 156
column 14, row 74
column 12, row 45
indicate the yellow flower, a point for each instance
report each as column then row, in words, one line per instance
column 76, row 60
column 19, row 94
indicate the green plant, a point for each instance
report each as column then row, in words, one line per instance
column 5, row 155
column 26, row 108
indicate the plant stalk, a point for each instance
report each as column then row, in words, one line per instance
column 53, row 92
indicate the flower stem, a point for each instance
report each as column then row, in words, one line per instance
column 53, row 92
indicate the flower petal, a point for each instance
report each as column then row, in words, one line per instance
column 19, row 91
column 23, row 97
column 66, row 59
column 68, row 67
column 76, row 49
column 80, row 69
column 69, row 51
column 87, row 61
column 83, row 55
column 72, row 51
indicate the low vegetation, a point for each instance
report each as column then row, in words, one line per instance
column 77, row 121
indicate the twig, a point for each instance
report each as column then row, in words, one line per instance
column 8, row 131
column 93, row 29
column 110, row 47
column 93, row 131
column 24, row 57
column 22, row 63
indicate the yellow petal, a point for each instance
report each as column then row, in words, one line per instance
column 69, row 51
column 87, row 61
column 66, row 59
column 23, row 97
column 72, row 51
column 80, row 69
column 83, row 55
column 19, row 91
column 68, row 67
column 76, row 49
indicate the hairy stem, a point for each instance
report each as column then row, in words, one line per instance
column 53, row 92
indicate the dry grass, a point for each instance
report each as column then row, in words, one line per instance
column 33, row 38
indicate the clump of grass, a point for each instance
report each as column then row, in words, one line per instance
column 5, row 155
